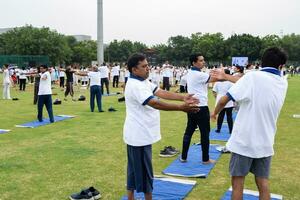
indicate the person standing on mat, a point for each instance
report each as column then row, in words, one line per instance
column 44, row 94
column 220, row 89
column 142, row 123
column 95, row 87
column 197, row 83
column 260, row 95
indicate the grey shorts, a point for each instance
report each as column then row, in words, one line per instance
column 241, row 165
column 139, row 169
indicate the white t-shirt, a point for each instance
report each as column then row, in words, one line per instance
column 115, row 71
column 45, row 85
column 104, row 71
column 260, row 95
column 95, row 78
column 23, row 74
column 183, row 80
column 197, row 85
column 62, row 74
column 221, row 88
column 142, row 123
column 6, row 79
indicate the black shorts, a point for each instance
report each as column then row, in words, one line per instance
column 139, row 169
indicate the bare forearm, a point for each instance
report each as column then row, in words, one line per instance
column 221, row 104
column 169, row 95
column 231, row 78
column 160, row 105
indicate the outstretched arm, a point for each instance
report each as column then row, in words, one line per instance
column 173, row 96
column 220, row 105
column 160, row 105
column 219, row 75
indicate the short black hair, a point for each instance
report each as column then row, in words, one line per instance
column 240, row 68
column 44, row 66
column 134, row 60
column 273, row 57
column 227, row 71
column 194, row 57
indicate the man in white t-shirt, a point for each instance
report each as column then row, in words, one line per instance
column 104, row 71
column 115, row 71
column 142, row 123
column 62, row 75
column 44, row 94
column 23, row 79
column 220, row 89
column 197, row 84
column 95, row 87
column 166, row 74
column 260, row 95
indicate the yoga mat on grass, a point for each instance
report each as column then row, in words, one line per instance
column 222, row 136
column 36, row 123
column 193, row 167
column 250, row 195
column 168, row 189
column 111, row 94
column 2, row 131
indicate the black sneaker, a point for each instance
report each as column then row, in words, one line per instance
column 172, row 149
column 83, row 195
column 111, row 109
column 166, row 153
column 95, row 193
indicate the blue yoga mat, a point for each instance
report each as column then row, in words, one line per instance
column 250, row 195
column 193, row 167
column 168, row 189
column 36, row 123
column 2, row 131
column 222, row 136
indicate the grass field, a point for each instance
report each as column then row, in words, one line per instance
column 54, row 161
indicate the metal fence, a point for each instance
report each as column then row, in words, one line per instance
column 24, row 60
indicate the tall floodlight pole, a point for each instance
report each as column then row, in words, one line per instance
column 100, row 49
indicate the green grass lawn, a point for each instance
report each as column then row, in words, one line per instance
column 54, row 161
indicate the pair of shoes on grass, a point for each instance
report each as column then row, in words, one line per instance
column 168, row 151
column 86, row 194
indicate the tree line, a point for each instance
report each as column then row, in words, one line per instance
column 60, row 48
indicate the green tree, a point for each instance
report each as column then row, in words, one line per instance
column 269, row 41
column 84, row 52
column 28, row 40
column 212, row 46
column 291, row 44
column 244, row 45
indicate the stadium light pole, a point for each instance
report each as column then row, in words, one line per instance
column 100, row 48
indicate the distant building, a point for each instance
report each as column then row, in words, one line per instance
column 4, row 30
column 80, row 38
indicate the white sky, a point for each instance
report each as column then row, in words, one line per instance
column 154, row 21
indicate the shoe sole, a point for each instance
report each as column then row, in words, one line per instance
column 97, row 197
column 166, row 156
column 92, row 198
